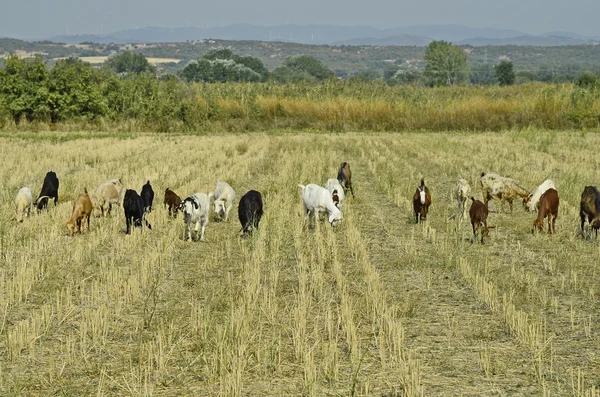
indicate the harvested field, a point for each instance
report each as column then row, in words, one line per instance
column 378, row 306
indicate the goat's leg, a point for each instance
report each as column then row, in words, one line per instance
column 351, row 189
column 202, row 232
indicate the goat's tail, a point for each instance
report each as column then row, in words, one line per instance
column 301, row 186
column 85, row 190
column 472, row 199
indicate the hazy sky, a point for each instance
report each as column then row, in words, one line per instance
column 43, row 18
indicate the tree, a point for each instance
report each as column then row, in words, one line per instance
column 446, row 64
column 302, row 68
column 24, row 88
column 221, row 65
column 129, row 62
column 505, row 73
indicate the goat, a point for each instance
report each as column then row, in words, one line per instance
column 478, row 214
column 82, row 210
column 421, row 202
column 531, row 202
column 316, row 200
column 148, row 196
column 345, row 177
column 337, row 192
column 501, row 188
column 195, row 210
column 107, row 193
column 133, row 205
column 589, row 208
column 49, row 190
column 462, row 192
column 250, row 210
column 223, row 196
column 173, row 201
column 23, row 203
column 548, row 208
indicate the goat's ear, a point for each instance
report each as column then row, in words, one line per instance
column 195, row 204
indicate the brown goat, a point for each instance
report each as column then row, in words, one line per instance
column 421, row 202
column 589, row 208
column 548, row 207
column 82, row 209
column 479, row 213
column 345, row 177
column 173, row 201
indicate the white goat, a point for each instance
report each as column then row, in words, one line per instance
column 337, row 192
column 195, row 210
column 316, row 200
column 23, row 203
column 501, row 188
column 223, row 196
column 107, row 193
column 531, row 202
column 463, row 192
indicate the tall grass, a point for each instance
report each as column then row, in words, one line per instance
column 339, row 106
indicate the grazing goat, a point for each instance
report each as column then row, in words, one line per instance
column 107, row 193
column 23, row 203
column 250, row 211
column 147, row 196
column 133, row 205
column 337, row 192
column 531, row 202
column 195, row 210
column 501, row 188
column 316, row 200
column 173, row 201
column 421, row 202
column 49, row 190
column 548, row 208
column 345, row 177
column 589, row 208
column 479, row 213
column 462, row 192
column 82, row 210
column 223, row 196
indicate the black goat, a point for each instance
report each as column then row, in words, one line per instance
column 147, row 196
column 49, row 190
column 134, row 210
column 250, row 211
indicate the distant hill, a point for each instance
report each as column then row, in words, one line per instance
column 540, row 41
column 398, row 39
column 305, row 34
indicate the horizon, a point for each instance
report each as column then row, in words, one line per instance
column 36, row 19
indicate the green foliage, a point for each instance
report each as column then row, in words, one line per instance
column 505, row 73
column 446, row 64
column 482, row 74
column 129, row 62
column 588, row 81
column 23, row 89
column 407, row 76
column 222, row 65
column 74, row 91
column 302, row 68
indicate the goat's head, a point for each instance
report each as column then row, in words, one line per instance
column 335, row 218
column 71, row 228
column 422, row 194
column 219, row 207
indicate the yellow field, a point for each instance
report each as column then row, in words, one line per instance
column 379, row 306
column 101, row 59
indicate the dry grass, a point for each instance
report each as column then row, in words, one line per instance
column 100, row 59
column 379, row 306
